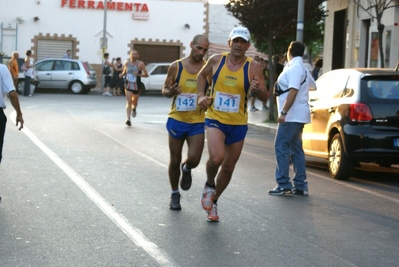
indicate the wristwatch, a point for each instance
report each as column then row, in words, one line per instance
column 283, row 113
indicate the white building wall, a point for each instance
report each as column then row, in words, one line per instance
column 165, row 23
column 220, row 24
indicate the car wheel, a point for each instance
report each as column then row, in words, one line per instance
column 76, row 87
column 20, row 86
column 338, row 164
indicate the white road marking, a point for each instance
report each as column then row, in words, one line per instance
column 133, row 233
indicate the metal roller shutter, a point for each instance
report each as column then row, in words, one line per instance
column 52, row 48
column 157, row 53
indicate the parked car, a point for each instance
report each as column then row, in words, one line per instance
column 354, row 118
column 156, row 76
column 21, row 78
column 61, row 73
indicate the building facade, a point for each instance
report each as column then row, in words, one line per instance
column 351, row 36
column 160, row 30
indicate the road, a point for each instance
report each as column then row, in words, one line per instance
column 79, row 188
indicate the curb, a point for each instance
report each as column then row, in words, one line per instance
column 262, row 127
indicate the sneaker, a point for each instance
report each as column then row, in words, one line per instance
column 254, row 109
column 128, row 123
column 278, row 191
column 134, row 113
column 175, row 201
column 186, row 179
column 213, row 214
column 207, row 198
column 300, row 192
column 265, row 108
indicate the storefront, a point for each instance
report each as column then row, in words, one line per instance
column 161, row 31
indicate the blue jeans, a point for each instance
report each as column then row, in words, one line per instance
column 27, row 85
column 288, row 143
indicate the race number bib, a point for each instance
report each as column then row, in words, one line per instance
column 226, row 102
column 186, row 102
column 131, row 78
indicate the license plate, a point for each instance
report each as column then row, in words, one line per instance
column 396, row 142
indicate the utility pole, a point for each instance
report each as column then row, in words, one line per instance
column 300, row 19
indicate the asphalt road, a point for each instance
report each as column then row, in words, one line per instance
column 79, row 188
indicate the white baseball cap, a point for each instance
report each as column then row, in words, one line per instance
column 240, row 32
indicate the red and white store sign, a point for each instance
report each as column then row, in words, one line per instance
column 119, row 6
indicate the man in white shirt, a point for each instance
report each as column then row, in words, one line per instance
column 7, row 88
column 293, row 106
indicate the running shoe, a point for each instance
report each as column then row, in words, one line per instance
column 128, row 123
column 186, row 179
column 207, row 198
column 254, row 109
column 278, row 191
column 300, row 192
column 134, row 113
column 213, row 214
column 175, row 201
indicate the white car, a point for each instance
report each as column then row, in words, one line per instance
column 156, row 76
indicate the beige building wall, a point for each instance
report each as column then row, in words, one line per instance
column 358, row 31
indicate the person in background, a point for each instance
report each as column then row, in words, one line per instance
column 68, row 54
column 14, row 68
column 7, row 88
column 186, row 119
column 107, row 71
column 316, row 72
column 294, row 110
column 28, row 72
column 234, row 77
column 132, row 68
column 117, row 83
column 252, row 96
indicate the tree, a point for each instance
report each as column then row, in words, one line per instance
column 376, row 8
column 273, row 26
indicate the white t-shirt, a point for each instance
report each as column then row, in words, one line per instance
column 6, row 84
column 29, row 71
column 293, row 76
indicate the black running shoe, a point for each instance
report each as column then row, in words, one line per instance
column 175, row 201
column 300, row 192
column 186, row 179
column 128, row 123
column 278, row 191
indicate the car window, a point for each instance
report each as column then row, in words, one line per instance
column 378, row 88
column 44, row 66
column 160, row 70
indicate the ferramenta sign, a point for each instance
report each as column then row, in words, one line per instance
column 119, row 6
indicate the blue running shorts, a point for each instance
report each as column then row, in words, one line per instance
column 180, row 130
column 233, row 133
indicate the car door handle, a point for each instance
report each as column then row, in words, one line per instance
column 70, row 73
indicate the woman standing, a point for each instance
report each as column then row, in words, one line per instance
column 117, row 82
column 28, row 72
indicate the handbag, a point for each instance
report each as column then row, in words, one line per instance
column 23, row 67
column 106, row 70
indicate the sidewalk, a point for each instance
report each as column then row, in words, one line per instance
column 256, row 120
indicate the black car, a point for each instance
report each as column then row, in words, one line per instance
column 354, row 118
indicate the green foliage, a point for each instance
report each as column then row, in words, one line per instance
column 277, row 19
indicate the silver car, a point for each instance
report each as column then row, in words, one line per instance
column 156, row 77
column 61, row 73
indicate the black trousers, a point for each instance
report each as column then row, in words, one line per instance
column 3, row 121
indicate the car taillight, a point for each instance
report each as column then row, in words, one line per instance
column 86, row 69
column 360, row 112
